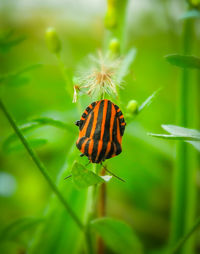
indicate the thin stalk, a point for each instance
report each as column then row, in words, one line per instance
column 183, row 206
column 68, row 81
column 41, row 167
column 118, row 30
column 66, row 77
column 182, row 241
column 101, row 212
column 91, row 211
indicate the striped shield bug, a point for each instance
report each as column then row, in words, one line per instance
column 101, row 128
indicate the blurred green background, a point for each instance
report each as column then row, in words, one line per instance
column 144, row 201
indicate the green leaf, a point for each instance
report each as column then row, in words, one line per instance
column 16, row 78
column 17, row 81
column 180, row 133
column 184, row 61
column 34, row 143
column 84, row 178
column 34, row 124
column 53, row 122
column 173, row 137
column 185, row 132
column 191, row 14
column 148, row 101
column 12, row 231
column 9, row 40
column 117, row 235
column 126, row 64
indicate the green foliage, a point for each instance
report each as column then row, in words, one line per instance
column 17, row 78
column 145, row 163
column 84, row 178
column 14, row 230
column 8, row 40
column 191, row 14
column 180, row 133
column 191, row 62
column 148, row 101
column 126, row 65
column 34, row 143
column 117, row 235
column 35, row 123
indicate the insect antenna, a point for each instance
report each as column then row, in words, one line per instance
column 111, row 173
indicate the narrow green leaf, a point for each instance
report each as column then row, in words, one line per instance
column 28, row 68
column 34, row 143
column 191, row 14
column 126, row 64
column 12, row 231
column 173, row 137
column 148, row 101
column 117, row 235
column 17, row 81
column 185, row 132
column 183, row 61
column 83, row 178
column 180, row 133
column 17, row 76
column 8, row 40
column 53, row 122
column 34, row 124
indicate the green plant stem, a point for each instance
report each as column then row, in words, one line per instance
column 41, row 167
column 183, row 206
column 118, row 31
column 101, row 211
column 182, row 241
column 66, row 76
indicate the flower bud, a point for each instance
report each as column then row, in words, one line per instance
column 111, row 15
column 52, row 40
column 132, row 107
column 114, row 46
column 194, row 3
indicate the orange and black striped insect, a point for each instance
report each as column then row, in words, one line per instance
column 101, row 128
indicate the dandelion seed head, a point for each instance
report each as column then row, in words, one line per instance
column 100, row 77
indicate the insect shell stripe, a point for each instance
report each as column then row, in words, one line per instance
column 116, row 136
column 106, row 135
column 82, row 134
column 108, row 147
column 92, row 145
column 97, row 132
column 102, row 144
column 89, row 127
column 85, row 115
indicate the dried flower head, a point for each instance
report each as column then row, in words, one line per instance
column 100, row 77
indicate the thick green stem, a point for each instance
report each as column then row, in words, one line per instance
column 41, row 167
column 183, row 207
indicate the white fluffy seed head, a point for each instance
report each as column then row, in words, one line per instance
column 100, row 77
